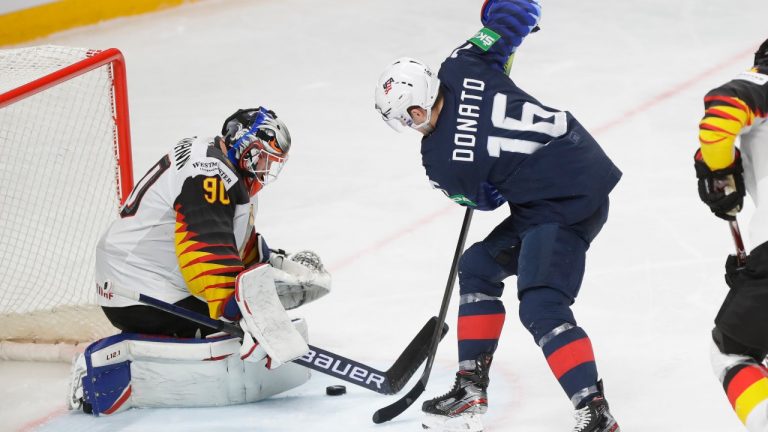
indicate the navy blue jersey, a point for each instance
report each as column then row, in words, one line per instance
column 493, row 143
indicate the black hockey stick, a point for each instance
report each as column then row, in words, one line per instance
column 386, row 382
column 391, row 411
column 741, row 254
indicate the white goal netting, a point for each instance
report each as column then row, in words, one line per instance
column 58, row 191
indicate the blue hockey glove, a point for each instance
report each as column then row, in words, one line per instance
column 512, row 19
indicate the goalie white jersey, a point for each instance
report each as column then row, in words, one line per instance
column 185, row 229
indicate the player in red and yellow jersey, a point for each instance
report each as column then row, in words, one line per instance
column 731, row 162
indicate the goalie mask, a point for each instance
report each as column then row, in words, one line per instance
column 258, row 144
column 404, row 84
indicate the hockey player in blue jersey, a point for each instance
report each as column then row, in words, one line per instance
column 486, row 143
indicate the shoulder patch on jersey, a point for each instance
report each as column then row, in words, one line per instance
column 182, row 151
column 485, row 38
column 461, row 199
column 753, row 77
column 212, row 166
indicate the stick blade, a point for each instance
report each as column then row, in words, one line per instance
column 414, row 355
column 391, row 411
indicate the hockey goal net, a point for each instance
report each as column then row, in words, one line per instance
column 65, row 166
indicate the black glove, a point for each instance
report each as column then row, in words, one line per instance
column 722, row 190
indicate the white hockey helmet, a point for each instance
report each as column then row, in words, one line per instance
column 406, row 83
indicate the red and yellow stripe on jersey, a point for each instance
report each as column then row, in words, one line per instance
column 729, row 109
column 255, row 250
column 205, row 242
column 747, row 388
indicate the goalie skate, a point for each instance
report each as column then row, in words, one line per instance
column 75, row 397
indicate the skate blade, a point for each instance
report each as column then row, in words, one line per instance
column 461, row 423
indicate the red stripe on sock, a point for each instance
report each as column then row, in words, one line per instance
column 480, row 326
column 742, row 380
column 569, row 356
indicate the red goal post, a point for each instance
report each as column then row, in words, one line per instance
column 94, row 59
column 65, row 167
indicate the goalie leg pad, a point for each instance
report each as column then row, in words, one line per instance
column 264, row 317
column 129, row 370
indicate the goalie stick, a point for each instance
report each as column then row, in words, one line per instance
column 391, row 411
column 326, row 362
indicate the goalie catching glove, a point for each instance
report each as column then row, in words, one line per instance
column 300, row 278
column 722, row 190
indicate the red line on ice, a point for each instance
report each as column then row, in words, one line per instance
column 346, row 261
column 670, row 93
column 32, row 425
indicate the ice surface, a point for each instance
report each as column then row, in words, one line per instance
column 633, row 72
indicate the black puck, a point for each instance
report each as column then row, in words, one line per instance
column 335, row 390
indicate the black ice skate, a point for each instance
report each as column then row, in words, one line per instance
column 595, row 417
column 461, row 408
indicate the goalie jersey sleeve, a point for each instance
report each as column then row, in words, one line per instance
column 730, row 110
column 204, row 237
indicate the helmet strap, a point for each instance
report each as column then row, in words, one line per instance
column 426, row 126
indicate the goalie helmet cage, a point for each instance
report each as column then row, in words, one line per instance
column 65, row 167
